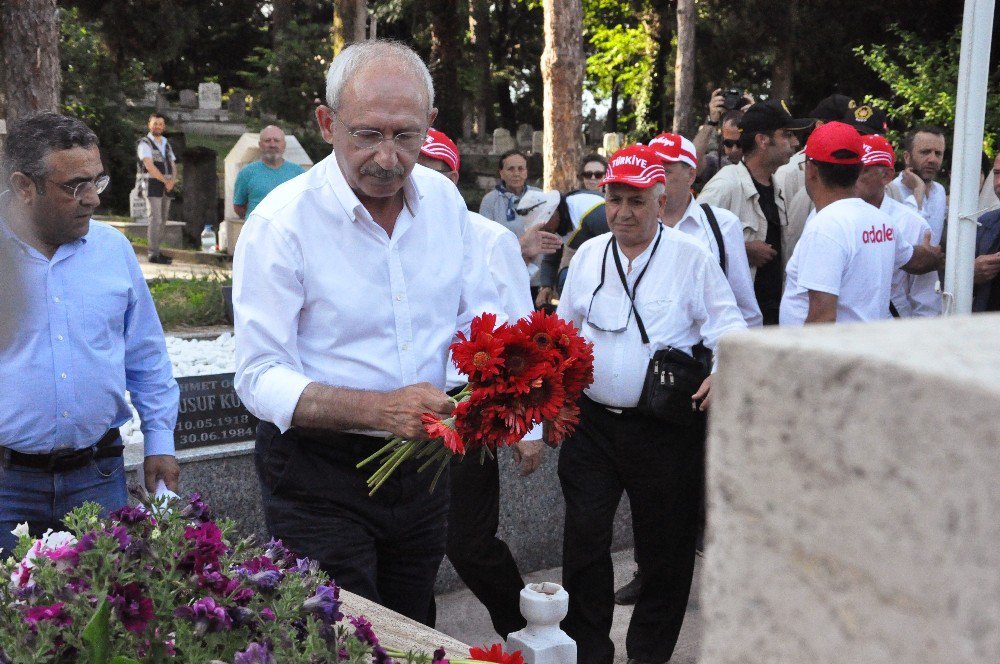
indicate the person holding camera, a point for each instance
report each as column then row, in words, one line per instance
column 643, row 289
column 722, row 127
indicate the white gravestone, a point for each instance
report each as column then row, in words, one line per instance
column 210, row 96
column 189, row 99
column 502, row 141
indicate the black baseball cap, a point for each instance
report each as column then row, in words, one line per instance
column 770, row 115
column 867, row 120
column 833, row 108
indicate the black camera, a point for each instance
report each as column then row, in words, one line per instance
column 732, row 99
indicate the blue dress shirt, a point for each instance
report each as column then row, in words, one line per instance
column 77, row 331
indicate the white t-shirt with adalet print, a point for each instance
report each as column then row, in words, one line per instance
column 849, row 249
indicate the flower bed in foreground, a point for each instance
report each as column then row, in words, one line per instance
column 164, row 581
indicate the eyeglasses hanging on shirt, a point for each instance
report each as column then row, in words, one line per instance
column 613, row 246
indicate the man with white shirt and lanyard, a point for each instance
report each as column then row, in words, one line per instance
column 483, row 560
column 681, row 298
column 913, row 295
column 349, row 284
column 843, row 265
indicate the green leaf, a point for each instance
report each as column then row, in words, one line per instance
column 122, row 659
column 97, row 635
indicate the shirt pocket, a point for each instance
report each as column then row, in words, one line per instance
column 104, row 319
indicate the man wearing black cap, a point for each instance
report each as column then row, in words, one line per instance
column 768, row 139
column 842, row 268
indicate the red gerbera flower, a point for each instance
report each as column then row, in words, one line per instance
column 443, row 429
column 543, row 329
column 564, row 423
column 545, row 396
column 496, row 654
column 523, row 362
column 485, row 421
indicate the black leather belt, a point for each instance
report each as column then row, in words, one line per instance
column 614, row 410
column 64, row 460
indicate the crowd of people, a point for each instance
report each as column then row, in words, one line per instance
column 351, row 280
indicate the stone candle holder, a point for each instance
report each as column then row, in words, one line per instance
column 543, row 605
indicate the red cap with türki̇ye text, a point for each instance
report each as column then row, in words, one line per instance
column 877, row 151
column 674, row 148
column 835, row 143
column 637, row 166
column 440, row 147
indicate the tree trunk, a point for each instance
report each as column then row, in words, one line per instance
column 30, row 48
column 684, row 69
column 482, row 98
column 611, row 122
column 281, row 14
column 783, row 70
column 657, row 111
column 446, row 53
column 562, row 77
column 350, row 18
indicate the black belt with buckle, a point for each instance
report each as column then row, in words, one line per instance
column 63, row 460
column 614, row 410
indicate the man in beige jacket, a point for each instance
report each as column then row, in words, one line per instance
column 768, row 137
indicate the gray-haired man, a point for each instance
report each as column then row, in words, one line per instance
column 349, row 284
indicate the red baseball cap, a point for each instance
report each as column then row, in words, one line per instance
column 674, row 148
column 835, row 143
column 440, row 147
column 637, row 166
column 877, row 151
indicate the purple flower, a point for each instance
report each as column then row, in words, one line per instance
column 53, row 613
column 439, row 657
column 197, row 509
column 256, row 654
column 325, row 603
column 241, row 616
column 306, row 567
column 363, row 630
column 131, row 515
column 120, row 533
column 260, row 571
column 133, row 608
column 208, row 546
column 258, row 564
column 242, row 596
column 380, row 656
column 207, row 616
column 279, row 553
column 267, row 614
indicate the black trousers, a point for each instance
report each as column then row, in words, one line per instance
column 483, row 560
column 662, row 469
column 385, row 547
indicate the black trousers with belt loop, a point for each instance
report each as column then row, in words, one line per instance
column 661, row 468
column 386, row 547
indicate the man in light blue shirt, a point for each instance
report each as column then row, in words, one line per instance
column 77, row 329
column 257, row 179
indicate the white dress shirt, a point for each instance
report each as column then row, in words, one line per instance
column 913, row 295
column 500, row 251
column 695, row 223
column 683, row 298
column 323, row 294
column 935, row 207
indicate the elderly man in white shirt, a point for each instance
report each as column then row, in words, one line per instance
column 349, row 285
column 913, row 295
column 681, row 298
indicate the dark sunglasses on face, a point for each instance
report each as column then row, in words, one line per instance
column 730, row 143
column 593, row 175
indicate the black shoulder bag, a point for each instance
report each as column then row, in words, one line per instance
column 672, row 376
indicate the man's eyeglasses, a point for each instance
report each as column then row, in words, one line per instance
column 81, row 189
column 730, row 142
column 369, row 139
column 592, row 175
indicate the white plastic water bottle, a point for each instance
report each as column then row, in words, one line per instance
column 208, row 240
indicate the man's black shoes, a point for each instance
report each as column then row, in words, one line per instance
column 160, row 259
column 629, row 593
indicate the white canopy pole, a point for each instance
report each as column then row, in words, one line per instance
column 970, row 117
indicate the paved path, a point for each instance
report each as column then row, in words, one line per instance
column 179, row 270
column 460, row 615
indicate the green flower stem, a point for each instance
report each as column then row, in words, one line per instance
column 387, row 447
column 405, row 452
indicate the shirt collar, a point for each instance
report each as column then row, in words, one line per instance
column 642, row 258
column 352, row 204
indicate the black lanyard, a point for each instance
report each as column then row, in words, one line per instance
column 613, row 244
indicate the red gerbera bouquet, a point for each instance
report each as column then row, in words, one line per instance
column 519, row 375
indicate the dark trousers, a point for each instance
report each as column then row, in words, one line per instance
column 385, row 547
column 661, row 468
column 483, row 560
